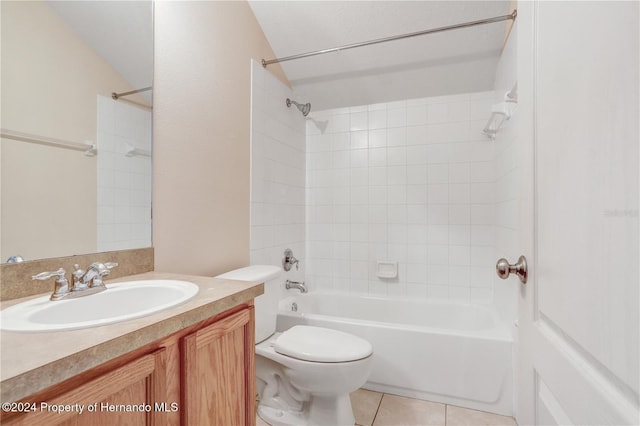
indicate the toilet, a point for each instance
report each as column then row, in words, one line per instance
column 304, row 374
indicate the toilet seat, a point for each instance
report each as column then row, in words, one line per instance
column 318, row 344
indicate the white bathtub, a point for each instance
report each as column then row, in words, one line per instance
column 441, row 351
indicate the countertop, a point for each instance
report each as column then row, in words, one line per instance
column 30, row 362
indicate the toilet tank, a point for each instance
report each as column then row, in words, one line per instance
column 267, row 303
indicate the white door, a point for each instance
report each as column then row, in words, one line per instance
column 578, row 81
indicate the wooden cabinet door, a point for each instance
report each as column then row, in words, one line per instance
column 125, row 396
column 218, row 370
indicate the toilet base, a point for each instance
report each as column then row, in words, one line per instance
column 322, row 411
column 277, row 417
column 331, row 410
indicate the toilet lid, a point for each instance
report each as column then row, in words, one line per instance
column 321, row 345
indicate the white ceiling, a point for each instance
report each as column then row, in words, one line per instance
column 451, row 62
column 121, row 32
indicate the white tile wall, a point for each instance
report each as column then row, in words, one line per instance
column 506, row 174
column 278, row 174
column 409, row 181
column 506, row 232
column 412, row 181
column 124, row 183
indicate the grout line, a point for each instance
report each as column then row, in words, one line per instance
column 377, row 409
column 446, row 407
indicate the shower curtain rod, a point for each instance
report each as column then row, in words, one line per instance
column 511, row 16
column 88, row 147
column 115, row 95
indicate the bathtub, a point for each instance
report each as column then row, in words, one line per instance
column 448, row 352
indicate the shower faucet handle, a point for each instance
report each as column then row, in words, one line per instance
column 288, row 260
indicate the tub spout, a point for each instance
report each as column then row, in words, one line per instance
column 298, row 285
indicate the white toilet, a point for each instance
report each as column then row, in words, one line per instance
column 304, row 374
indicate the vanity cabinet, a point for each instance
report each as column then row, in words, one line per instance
column 219, row 373
column 201, row 375
column 139, row 383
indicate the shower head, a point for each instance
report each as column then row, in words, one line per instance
column 304, row 109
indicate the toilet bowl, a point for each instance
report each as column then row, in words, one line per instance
column 304, row 374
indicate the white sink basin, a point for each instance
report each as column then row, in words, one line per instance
column 120, row 302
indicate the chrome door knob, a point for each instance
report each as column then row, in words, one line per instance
column 504, row 269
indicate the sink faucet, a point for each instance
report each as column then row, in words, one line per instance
column 84, row 283
column 297, row 285
column 92, row 278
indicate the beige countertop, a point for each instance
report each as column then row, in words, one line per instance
column 30, row 362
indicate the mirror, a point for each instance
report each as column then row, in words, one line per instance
column 75, row 163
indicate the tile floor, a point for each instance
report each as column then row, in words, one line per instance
column 378, row 409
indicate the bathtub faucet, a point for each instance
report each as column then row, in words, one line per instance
column 295, row 284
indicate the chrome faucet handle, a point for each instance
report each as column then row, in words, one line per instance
column 99, row 267
column 92, row 277
column 61, row 288
column 288, row 260
column 46, row 275
column 103, row 269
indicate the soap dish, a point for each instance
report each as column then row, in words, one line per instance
column 387, row 269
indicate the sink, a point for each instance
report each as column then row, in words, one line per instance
column 120, row 302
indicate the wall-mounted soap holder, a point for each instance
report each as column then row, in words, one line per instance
column 387, row 269
column 501, row 112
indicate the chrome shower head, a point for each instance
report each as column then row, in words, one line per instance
column 304, row 109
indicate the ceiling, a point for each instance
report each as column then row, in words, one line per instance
column 450, row 62
column 121, row 32
column 445, row 63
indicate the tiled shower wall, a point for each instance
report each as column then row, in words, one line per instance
column 507, row 178
column 409, row 181
column 124, row 183
column 277, row 173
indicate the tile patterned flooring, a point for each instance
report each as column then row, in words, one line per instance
column 378, row 409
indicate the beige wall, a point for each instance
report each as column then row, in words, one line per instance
column 50, row 80
column 201, row 121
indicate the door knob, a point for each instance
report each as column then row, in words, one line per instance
column 504, row 269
